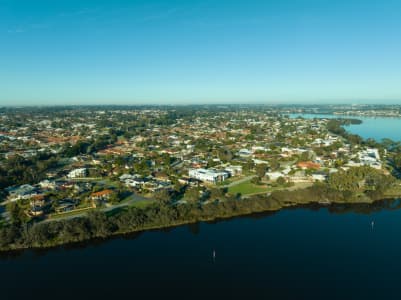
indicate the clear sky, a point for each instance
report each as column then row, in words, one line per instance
column 189, row 51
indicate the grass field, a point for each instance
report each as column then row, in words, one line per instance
column 246, row 188
column 229, row 180
column 142, row 204
column 70, row 213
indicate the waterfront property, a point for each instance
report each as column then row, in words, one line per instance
column 211, row 176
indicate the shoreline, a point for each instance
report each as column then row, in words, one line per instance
column 235, row 214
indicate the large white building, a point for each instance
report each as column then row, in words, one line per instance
column 77, row 173
column 212, row 176
column 370, row 157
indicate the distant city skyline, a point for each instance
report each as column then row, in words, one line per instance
column 199, row 52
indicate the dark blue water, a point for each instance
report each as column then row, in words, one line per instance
column 293, row 254
column 371, row 127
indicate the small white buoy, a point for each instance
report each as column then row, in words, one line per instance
column 373, row 224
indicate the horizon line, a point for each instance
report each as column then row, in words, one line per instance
column 202, row 104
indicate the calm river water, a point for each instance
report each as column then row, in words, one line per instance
column 372, row 127
column 304, row 253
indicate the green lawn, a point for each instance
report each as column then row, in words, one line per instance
column 142, row 203
column 246, row 188
column 108, row 183
column 70, row 213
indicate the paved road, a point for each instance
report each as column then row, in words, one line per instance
column 131, row 200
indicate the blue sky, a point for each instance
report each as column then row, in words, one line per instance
column 136, row 52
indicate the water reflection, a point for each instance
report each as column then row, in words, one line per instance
column 194, row 228
column 364, row 208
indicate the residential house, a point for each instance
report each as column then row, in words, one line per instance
column 208, row 175
column 77, row 173
column 25, row 191
column 101, row 196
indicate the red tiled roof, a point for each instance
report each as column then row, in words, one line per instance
column 308, row 165
column 102, row 193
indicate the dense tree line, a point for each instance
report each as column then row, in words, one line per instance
column 21, row 170
column 98, row 225
column 30, row 170
column 362, row 178
column 88, row 147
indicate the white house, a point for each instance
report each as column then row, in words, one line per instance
column 370, row 157
column 47, row 184
column 212, row 176
column 275, row 175
column 25, row 191
column 245, row 153
column 319, row 177
column 77, row 173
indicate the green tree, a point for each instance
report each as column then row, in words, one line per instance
column 249, row 165
column 261, row 170
column 192, row 194
column 100, row 225
column 162, row 195
column 115, row 197
column 256, row 180
column 17, row 214
column 225, row 155
column 281, row 180
column 216, row 193
column 397, row 160
column 274, row 164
